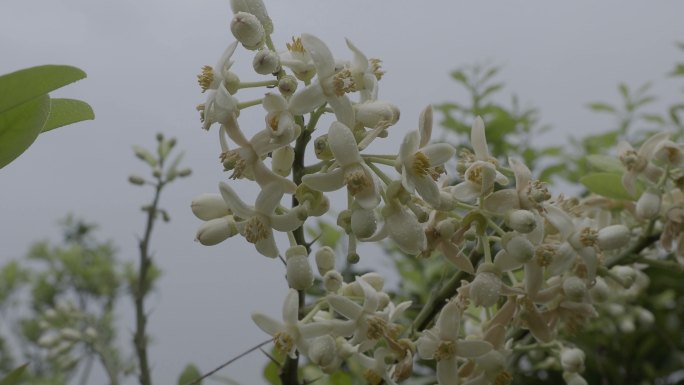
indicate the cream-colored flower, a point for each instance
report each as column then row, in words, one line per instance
column 330, row 86
column 444, row 344
column 638, row 162
column 259, row 221
column 365, row 73
column 419, row 159
column 353, row 172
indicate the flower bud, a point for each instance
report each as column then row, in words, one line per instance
column 600, row 291
column 70, row 334
column 376, row 113
column 325, row 260
column 645, row 317
column 332, row 281
column 648, row 205
column 363, row 222
column 520, row 249
column 216, row 231
column 353, row 258
column 136, row 180
column 613, row 237
column 232, row 83
column 287, row 85
column 574, row 288
column 256, row 8
column 90, row 332
column 625, row 274
column 375, row 280
column 48, row 340
column 209, row 206
column 184, row 172
column 299, row 274
column 572, row 360
column 266, row 62
column 485, row 288
column 383, row 300
column 248, row 30
column 344, row 221
column 323, row 350
column 282, row 160
column 522, row 221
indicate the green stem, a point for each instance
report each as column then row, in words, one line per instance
column 263, row 83
column 250, row 103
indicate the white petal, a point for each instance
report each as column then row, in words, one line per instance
column 455, row 256
column 291, row 307
column 560, row 220
column 345, row 306
column 406, row 231
column 236, row 204
column 343, row 144
column 344, row 112
column 369, row 197
column 502, row 201
column 235, row 134
column 371, row 300
column 466, row 191
column 449, row 321
column 428, row 189
column 267, row 247
column 425, row 126
column 646, row 150
column 320, row 54
column 534, row 278
column 523, row 176
column 409, row 146
column 438, row 153
column 286, row 222
column 427, row 345
column 447, row 371
column 505, row 262
column 307, row 100
column 267, row 324
column 274, row 102
column 478, row 139
column 209, row 206
column 360, row 62
column 330, row 181
column 472, row 349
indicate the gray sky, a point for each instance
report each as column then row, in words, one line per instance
column 142, row 58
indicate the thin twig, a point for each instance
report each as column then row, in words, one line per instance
column 198, row 380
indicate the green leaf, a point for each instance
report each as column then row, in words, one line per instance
column 67, row 111
column 653, row 118
column 601, row 107
column 460, row 77
column 606, row 184
column 271, row 373
column 13, row 377
column 21, row 86
column 20, row 126
column 678, row 71
column 605, row 163
column 189, row 374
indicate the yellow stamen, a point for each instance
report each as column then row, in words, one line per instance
column 588, row 236
column 376, row 328
column 375, row 68
column 356, row 181
column 283, row 342
column 371, row 377
column 295, row 46
column 255, row 230
column 205, row 78
column 343, row 82
column 445, row 350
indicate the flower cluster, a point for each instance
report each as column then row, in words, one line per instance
column 525, row 261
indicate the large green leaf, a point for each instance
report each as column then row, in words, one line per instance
column 607, row 184
column 67, row 111
column 605, row 163
column 13, row 377
column 20, row 126
column 21, row 86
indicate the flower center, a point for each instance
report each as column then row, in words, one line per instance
column 537, row 192
column 283, row 342
column 371, row 377
column 445, row 350
column 205, row 78
column 503, row 378
column 588, row 236
column 376, row 328
column 544, row 254
column 273, row 121
column 421, row 164
column 356, row 181
column 233, row 161
column 255, row 229
column 343, row 82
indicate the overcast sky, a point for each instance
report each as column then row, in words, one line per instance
column 142, row 58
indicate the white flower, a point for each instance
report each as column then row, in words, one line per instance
column 481, row 175
column 330, row 87
column 443, row 344
column 639, row 162
column 298, row 60
column 377, row 369
column 418, row 160
column 291, row 334
column 220, row 107
column 279, row 120
column 259, row 221
column 361, row 183
column 368, row 323
column 365, row 74
column 211, row 78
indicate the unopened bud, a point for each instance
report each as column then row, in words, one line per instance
column 363, row 223
column 613, row 237
column 625, row 274
column 136, row 180
column 375, row 280
column 600, row 291
column 520, row 249
column 248, row 30
column 332, row 281
column 299, row 274
column 323, row 350
column 256, row 8
column 325, row 260
column 574, row 288
column 648, row 205
column 209, row 206
column 353, row 258
column 485, row 288
column 344, row 221
column 216, row 231
column 282, row 160
column 266, row 62
column 376, row 113
column 287, row 85
column 572, row 360
column 522, row 221
column 70, row 334
column 184, row 172
column 574, row 379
